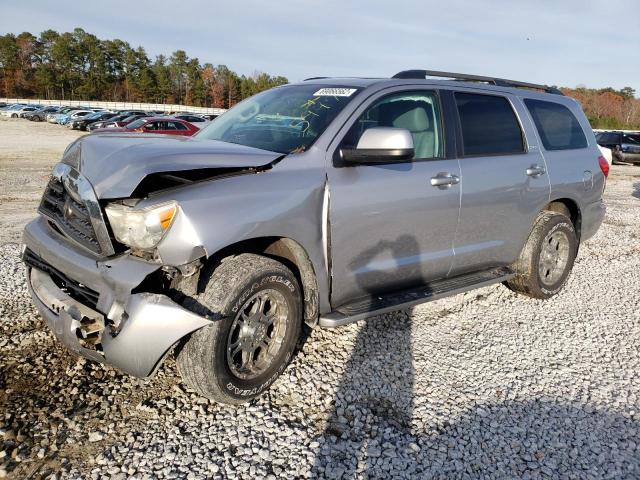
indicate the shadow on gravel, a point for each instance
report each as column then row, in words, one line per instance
column 372, row 431
column 371, row 435
column 636, row 190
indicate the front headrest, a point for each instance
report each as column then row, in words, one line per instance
column 410, row 114
column 414, row 120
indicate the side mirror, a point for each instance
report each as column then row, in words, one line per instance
column 381, row 145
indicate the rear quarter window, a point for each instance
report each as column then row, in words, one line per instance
column 489, row 125
column 557, row 126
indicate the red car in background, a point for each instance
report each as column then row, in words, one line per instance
column 160, row 125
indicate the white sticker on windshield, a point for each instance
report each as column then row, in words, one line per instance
column 335, row 92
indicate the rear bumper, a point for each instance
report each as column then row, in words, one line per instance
column 147, row 324
column 592, row 217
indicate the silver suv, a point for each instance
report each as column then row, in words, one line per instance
column 319, row 203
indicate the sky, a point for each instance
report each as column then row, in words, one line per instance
column 556, row 42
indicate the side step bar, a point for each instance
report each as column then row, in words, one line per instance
column 377, row 305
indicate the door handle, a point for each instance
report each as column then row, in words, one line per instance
column 444, row 180
column 536, row 171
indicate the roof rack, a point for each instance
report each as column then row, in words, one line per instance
column 313, row 78
column 501, row 82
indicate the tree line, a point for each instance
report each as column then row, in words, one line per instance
column 79, row 66
column 607, row 108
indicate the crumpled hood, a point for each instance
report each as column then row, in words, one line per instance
column 115, row 164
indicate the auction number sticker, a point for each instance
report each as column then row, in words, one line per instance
column 335, row 92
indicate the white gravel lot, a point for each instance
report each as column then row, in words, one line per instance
column 482, row 385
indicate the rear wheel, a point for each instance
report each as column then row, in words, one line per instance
column 547, row 258
column 256, row 309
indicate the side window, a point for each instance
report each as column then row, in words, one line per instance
column 178, row 126
column 418, row 112
column 489, row 125
column 557, row 126
column 606, row 138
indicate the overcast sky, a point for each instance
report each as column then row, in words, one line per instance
column 562, row 42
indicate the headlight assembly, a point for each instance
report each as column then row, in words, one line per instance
column 141, row 228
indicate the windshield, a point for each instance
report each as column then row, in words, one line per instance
column 284, row 120
column 136, row 124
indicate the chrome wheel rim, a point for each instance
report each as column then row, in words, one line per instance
column 554, row 257
column 257, row 334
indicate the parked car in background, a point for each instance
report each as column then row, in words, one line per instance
column 209, row 116
column 157, row 125
column 195, row 120
column 10, row 108
column 28, row 109
column 373, row 195
column 122, row 122
column 83, row 123
column 17, row 110
column 625, row 146
column 40, row 115
column 103, row 123
column 54, row 117
column 72, row 115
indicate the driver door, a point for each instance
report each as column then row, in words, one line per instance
column 390, row 227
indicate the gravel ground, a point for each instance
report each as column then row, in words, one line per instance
column 486, row 384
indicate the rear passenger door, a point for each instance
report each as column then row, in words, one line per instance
column 504, row 180
column 572, row 160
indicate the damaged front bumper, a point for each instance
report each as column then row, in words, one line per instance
column 148, row 324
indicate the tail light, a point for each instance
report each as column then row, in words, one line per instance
column 604, row 165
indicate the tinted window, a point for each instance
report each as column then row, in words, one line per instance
column 634, row 139
column 557, row 126
column 417, row 112
column 607, row 138
column 136, row 124
column 489, row 125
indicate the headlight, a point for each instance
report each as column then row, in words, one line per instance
column 141, row 228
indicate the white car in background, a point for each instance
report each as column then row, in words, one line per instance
column 15, row 112
column 606, row 153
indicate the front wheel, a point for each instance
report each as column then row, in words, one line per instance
column 255, row 305
column 547, row 258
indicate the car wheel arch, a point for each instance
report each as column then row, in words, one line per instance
column 289, row 252
column 569, row 207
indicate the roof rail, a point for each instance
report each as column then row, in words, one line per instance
column 313, row 78
column 501, row 82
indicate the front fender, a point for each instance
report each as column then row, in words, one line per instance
column 285, row 201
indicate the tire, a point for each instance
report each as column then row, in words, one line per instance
column 230, row 289
column 542, row 270
column 14, row 115
column 36, row 118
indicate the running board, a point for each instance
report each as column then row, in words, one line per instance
column 377, row 305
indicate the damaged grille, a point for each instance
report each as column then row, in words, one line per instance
column 74, row 289
column 71, row 218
